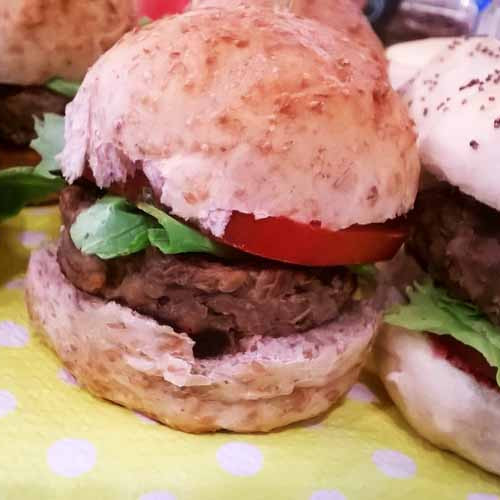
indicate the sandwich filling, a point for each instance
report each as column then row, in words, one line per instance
column 456, row 240
column 216, row 300
column 123, row 245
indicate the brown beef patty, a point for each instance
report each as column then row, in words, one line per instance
column 457, row 240
column 19, row 104
column 205, row 296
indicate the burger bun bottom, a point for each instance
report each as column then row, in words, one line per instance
column 125, row 357
column 442, row 403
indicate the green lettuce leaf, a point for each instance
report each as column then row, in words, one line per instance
column 22, row 185
column 49, row 143
column 144, row 21
column 367, row 271
column 110, row 228
column 64, row 87
column 176, row 237
column 431, row 309
column 113, row 227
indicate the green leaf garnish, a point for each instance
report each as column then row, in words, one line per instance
column 22, row 185
column 144, row 21
column 113, row 227
column 110, row 228
column 180, row 238
column 431, row 309
column 64, row 87
column 367, row 271
column 49, row 143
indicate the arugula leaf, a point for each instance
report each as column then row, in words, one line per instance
column 113, row 227
column 367, row 271
column 180, row 238
column 431, row 309
column 64, row 87
column 144, row 21
column 49, row 143
column 110, row 228
column 22, row 185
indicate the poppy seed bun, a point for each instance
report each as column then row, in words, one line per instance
column 408, row 58
column 455, row 103
column 247, row 110
column 457, row 413
column 41, row 39
column 132, row 360
column 342, row 15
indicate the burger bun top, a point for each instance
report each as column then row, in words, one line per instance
column 455, row 103
column 248, row 110
column 341, row 15
column 408, row 58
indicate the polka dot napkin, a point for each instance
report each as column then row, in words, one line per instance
column 58, row 442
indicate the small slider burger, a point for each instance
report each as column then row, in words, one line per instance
column 226, row 167
column 46, row 47
column 440, row 355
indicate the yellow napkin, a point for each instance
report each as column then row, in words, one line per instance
column 58, row 442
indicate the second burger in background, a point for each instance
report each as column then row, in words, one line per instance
column 228, row 165
column 46, row 48
column 439, row 357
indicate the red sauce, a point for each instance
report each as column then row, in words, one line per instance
column 464, row 358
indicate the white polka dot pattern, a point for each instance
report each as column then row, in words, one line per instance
column 482, row 496
column 360, row 392
column 394, row 464
column 15, row 284
column 32, row 239
column 8, row 403
column 71, row 457
column 66, row 377
column 157, row 495
column 327, row 495
column 240, row 459
column 144, row 418
column 12, row 334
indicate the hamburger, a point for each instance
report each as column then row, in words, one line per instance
column 227, row 169
column 439, row 354
column 46, row 47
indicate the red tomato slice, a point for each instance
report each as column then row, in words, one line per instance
column 155, row 9
column 285, row 240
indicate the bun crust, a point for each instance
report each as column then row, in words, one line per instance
column 342, row 15
column 442, row 403
column 457, row 116
column 41, row 39
column 251, row 110
column 132, row 360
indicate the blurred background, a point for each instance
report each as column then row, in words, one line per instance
column 402, row 20
column 399, row 20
